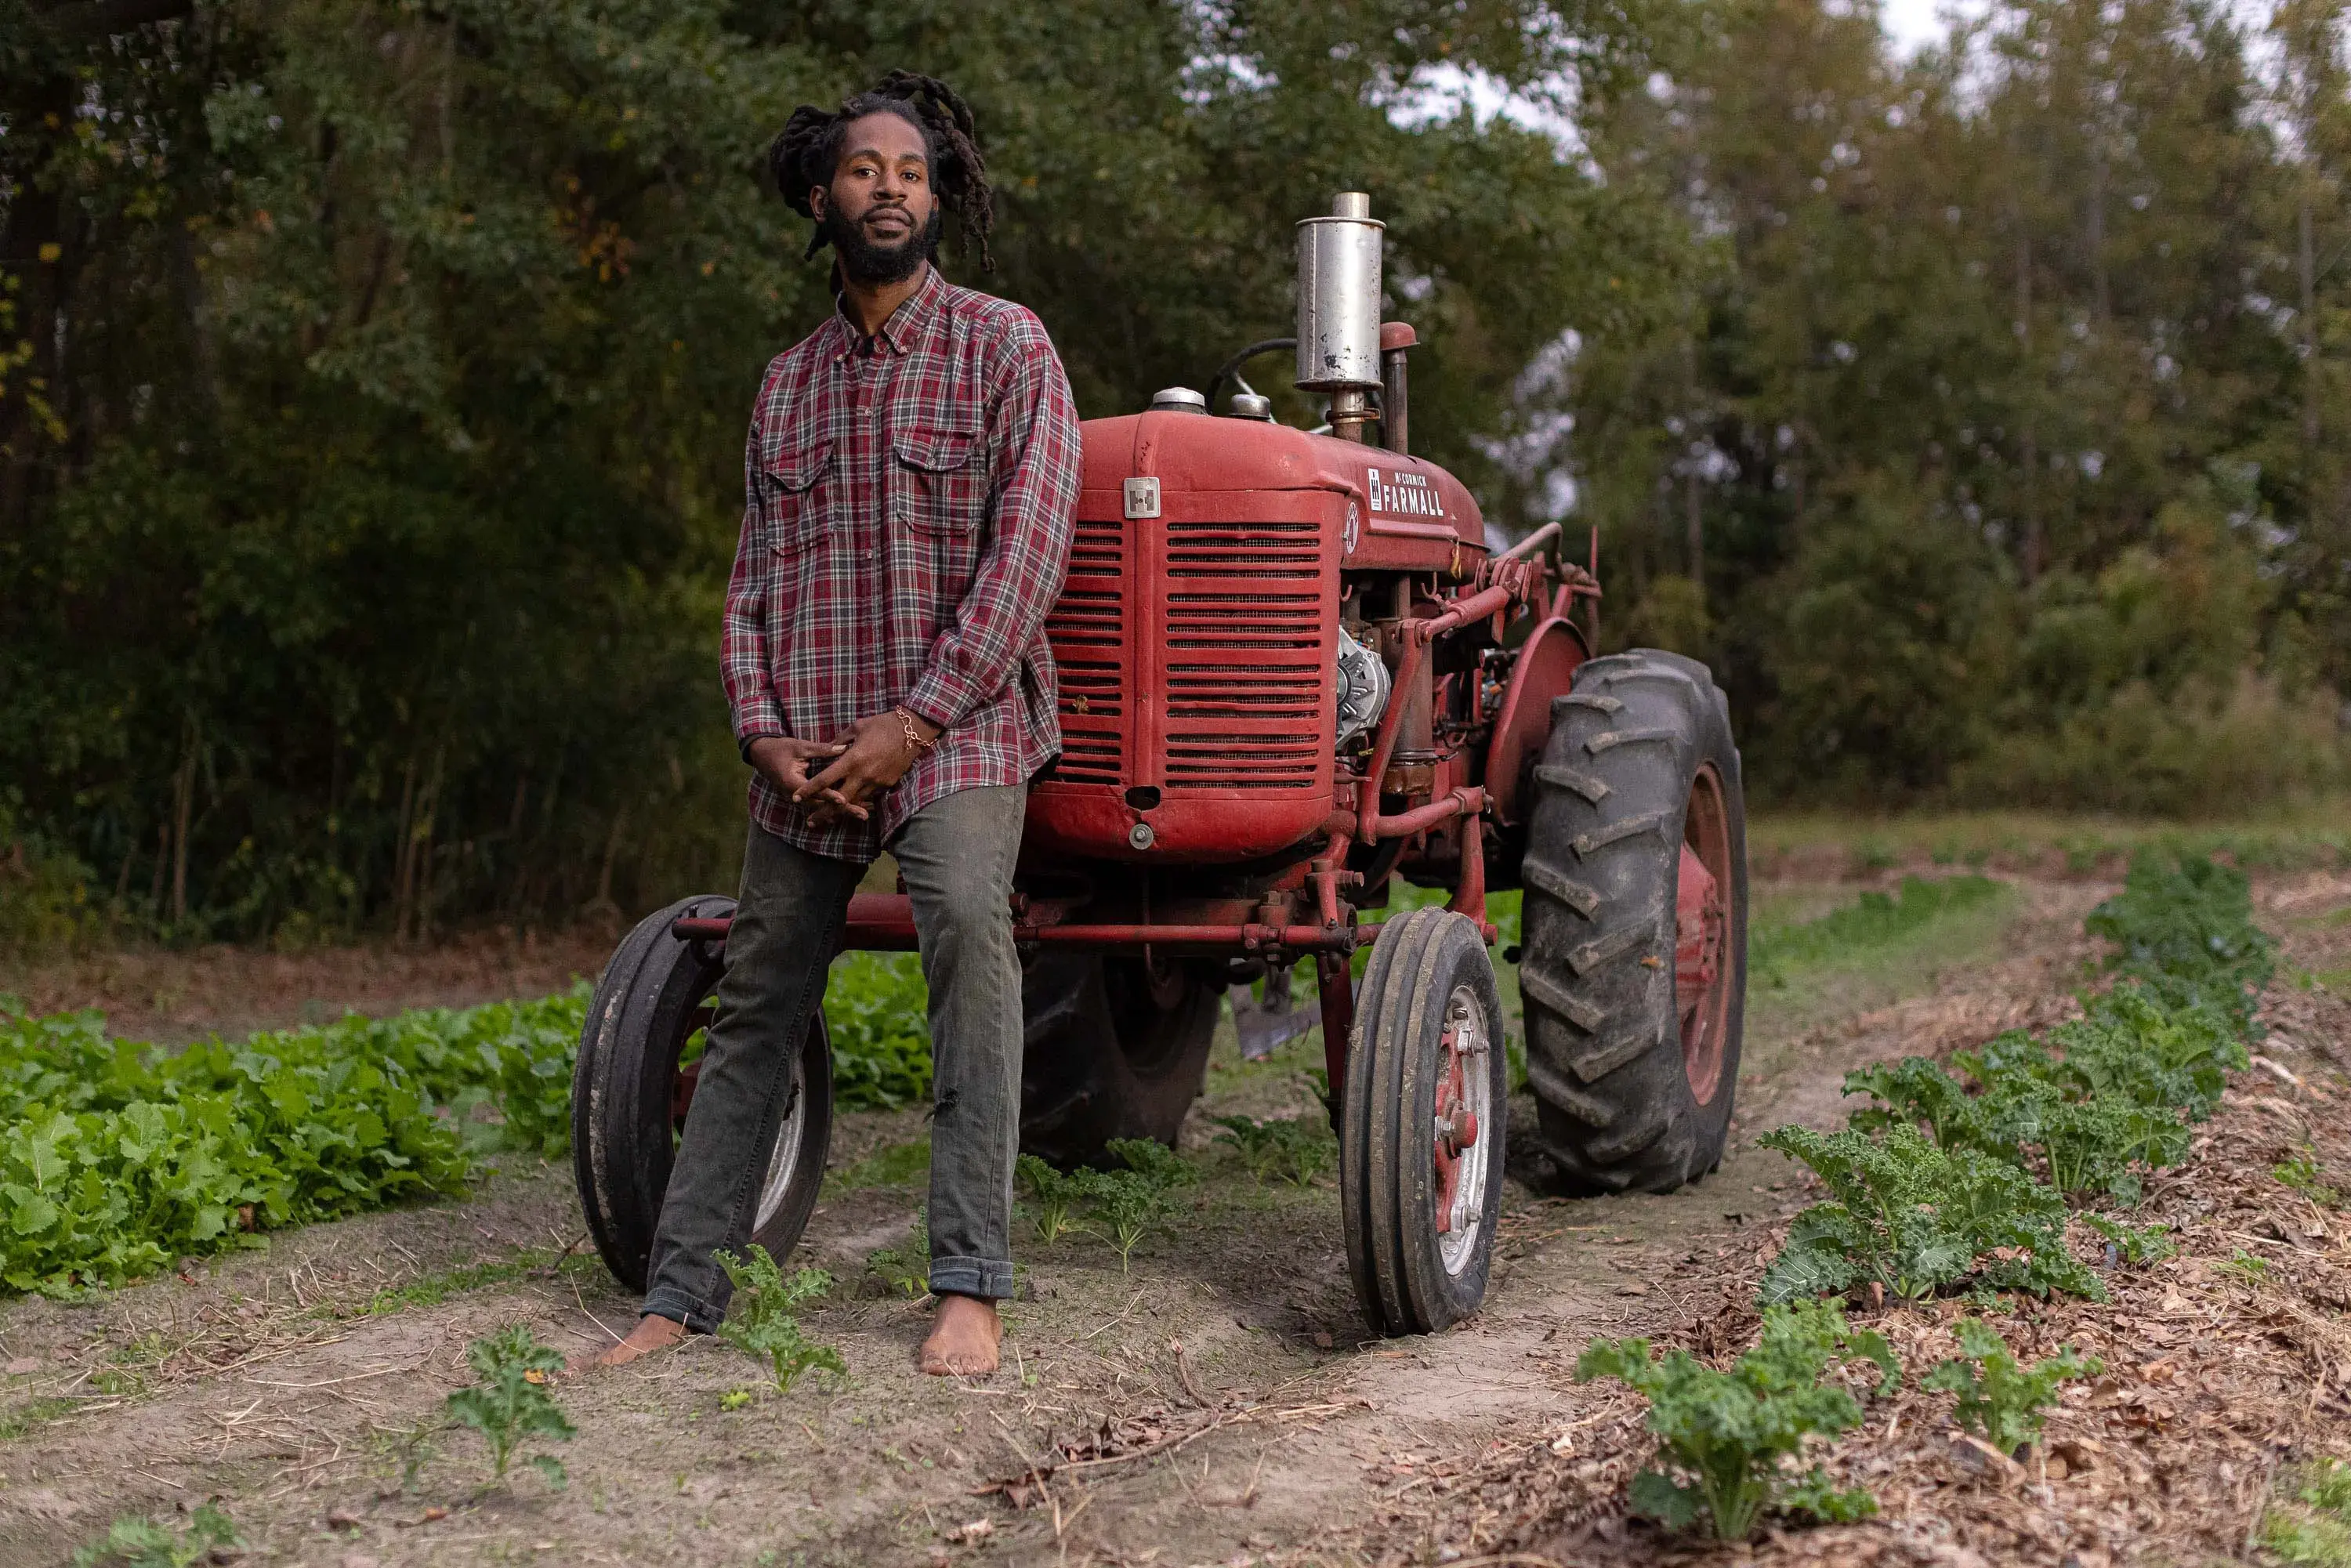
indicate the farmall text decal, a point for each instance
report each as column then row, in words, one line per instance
column 1403, row 495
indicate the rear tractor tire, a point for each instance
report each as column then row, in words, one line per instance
column 1634, row 966
column 1113, row 1048
column 1421, row 1124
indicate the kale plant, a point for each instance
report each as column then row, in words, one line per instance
column 1916, row 1218
column 511, row 1402
column 1999, row 1400
column 1056, row 1195
column 1728, row 1436
column 906, row 1270
column 2188, row 929
column 1131, row 1202
column 1297, row 1148
column 760, row 1318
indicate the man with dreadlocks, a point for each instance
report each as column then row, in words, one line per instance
column 913, row 466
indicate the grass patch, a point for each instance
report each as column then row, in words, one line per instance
column 33, row 1415
column 2312, row 834
column 1870, row 924
column 432, row 1290
column 892, row 1164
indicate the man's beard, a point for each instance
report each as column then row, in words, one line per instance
column 875, row 265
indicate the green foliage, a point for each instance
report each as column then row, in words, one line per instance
column 1056, row 1195
column 1729, row 1435
column 1299, row 1148
column 2304, row 1175
column 2185, row 928
column 904, row 1270
column 1129, row 1203
column 761, row 1321
column 2133, row 1244
column 876, row 1009
column 2308, row 1524
column 1999, row 1400
column 142, row 1543
column 1916, row 1218
column 511, row 1404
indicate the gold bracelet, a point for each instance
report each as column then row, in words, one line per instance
column 914, row 741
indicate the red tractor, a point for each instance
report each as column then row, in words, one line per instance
column 1291, row 669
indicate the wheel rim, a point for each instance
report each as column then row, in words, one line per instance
column 1462, row 1136
column 789, row 1133
column 1701, row 934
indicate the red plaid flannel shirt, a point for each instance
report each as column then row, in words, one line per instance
column 905, row 530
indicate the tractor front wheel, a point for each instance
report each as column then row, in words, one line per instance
column 1634, row 966
column 1420, row 1140
column 639, row 1053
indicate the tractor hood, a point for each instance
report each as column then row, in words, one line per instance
column 1402, row 505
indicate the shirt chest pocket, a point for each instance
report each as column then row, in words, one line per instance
column 939, row 480
column 793, row 483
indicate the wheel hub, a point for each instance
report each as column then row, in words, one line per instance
column 1460, row 1156
column 1702, row 956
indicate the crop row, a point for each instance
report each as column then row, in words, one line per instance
column 117, row 1157
column 1961, row 1181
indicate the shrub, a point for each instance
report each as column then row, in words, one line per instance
column 511, row 1403
column 1916, row 1218
column 1730, row 1433
column 1999, row 1400
column 760, row 1320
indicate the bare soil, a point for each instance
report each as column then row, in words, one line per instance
column 1218, row 1403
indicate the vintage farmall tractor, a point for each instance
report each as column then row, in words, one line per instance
column 1291, row 668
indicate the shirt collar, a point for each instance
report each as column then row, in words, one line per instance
column 907, row 325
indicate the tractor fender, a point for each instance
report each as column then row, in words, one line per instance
column 1545, row 669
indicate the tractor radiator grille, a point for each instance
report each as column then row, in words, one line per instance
column 1246, row 672
column 1088, row 632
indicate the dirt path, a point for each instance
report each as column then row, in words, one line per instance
column 1217, row 1397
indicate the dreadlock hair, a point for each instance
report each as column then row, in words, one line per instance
column 805, row 153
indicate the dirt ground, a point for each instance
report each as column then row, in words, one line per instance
column 1218, row 1403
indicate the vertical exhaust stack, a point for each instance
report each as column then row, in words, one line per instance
column 1339, row 311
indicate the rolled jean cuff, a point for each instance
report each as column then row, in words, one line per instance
column 698, row 1316
column 986, row 1278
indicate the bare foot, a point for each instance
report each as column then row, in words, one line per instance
column 963, row 1338
column 651, row 1333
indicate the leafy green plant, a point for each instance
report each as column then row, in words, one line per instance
column 761, row 1321
column 1056, row 1195
column 511, row 1404
column 2304, row 1175
column 1297, row 1148
column 735, row 1399
column 2308, row 1525
column 1728, row 1436
column 2133, row 1244
column 134, row 1543
column 2245, row 1268
column 1916, row 1218
column 2000, row 1400
column 906, row 1270
column 2185, row 925
column 877, row 1011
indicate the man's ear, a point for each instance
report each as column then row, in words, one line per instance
column 819, row 199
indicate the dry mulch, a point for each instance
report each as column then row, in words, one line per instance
column 2222, row 1364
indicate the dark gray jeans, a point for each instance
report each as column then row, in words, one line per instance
column 957, row 855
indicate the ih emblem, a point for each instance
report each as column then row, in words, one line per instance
column 1142, row 498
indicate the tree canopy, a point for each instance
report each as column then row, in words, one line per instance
column 372, row 378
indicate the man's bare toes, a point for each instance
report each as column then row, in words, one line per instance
column 651, row 1333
